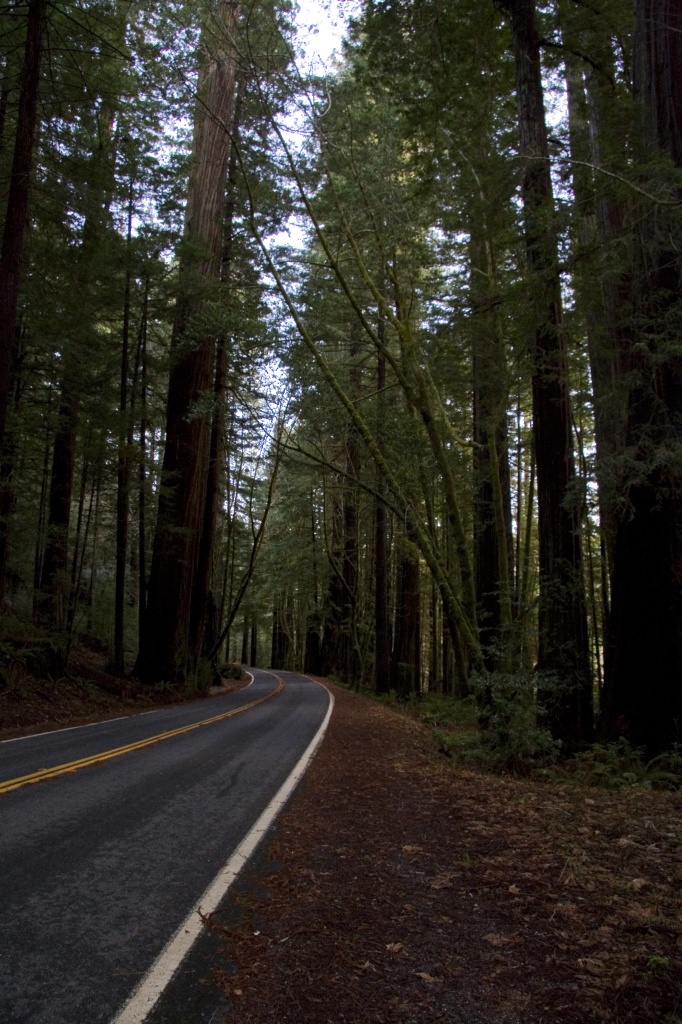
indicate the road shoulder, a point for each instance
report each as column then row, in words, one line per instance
column 400, row 889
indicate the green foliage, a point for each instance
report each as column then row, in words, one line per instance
column 231, row 670
column 656, row 966
column 27, row 651
column 620, row 765
column 437, row 709
column 512, row 738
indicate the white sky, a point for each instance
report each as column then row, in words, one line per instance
column 321, row 26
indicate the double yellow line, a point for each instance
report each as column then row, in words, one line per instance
column 106, row 755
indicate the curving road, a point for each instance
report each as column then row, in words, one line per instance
column 100, row 865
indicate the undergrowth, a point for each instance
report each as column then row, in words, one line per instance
column 496, row 730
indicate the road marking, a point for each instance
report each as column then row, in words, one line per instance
column 145, row 997
column 104, row 721
column 72, row 766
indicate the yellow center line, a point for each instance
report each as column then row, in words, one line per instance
column 105, row 755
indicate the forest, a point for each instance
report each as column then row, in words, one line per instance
column 372, row 371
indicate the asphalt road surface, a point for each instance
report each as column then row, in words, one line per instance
column 101, row 864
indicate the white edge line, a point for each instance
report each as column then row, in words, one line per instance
column 150, row 988
column 104, row 721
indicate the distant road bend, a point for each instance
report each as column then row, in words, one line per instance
column 110, row 835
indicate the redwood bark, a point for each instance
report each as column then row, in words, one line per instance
column 202, row 595
column 54, row 583
column 490, row 426
column 382, row 625
column 563, row 656
column 406, row 666
column 16, row 217
column 122, row 471
column 167, row 651
column 643, row 689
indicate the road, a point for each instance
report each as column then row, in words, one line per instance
column 100, row 865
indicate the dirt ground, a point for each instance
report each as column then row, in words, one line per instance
column 404, row 890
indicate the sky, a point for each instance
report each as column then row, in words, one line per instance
column 321, row 25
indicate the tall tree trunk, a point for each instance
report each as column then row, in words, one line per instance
column 406, row 670
column 279, row 655
column 312, row 661
column 382, row 624
column 142, row 469
column 602, row 248
column 202, row 596
column 254, row 643
column 333, row 606
column 7, row 495
column 122, row 471
column 54, row 584
column 99, row 191
column 349, row 656
column 42, row 508
column 492, row 487
column 563, row 656
column 643, row 689
column 167, row 651
column 16, row 217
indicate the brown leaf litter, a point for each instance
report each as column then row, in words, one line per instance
column 403, row 890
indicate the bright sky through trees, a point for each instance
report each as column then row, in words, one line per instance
column 321, row 25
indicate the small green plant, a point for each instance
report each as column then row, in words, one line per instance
column 614, row 765
column 163, row 687
column 665, row 771
column 447, row 743
column 620, row 765
column 511, row 738
column 656, row 967
column 230, row 670
column 437, row 709
column 89, row 687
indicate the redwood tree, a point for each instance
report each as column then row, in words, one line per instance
column 563, row 660
column 166, row 649
column 643, row 688
column 17, row 199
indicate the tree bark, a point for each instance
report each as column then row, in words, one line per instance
column 167, row 651
column 202, row 595
column 492, row 486
column 406, row 667
column 563, row 657
column 16, row 218
column 122, row 471
column 643, row 692
column 382, row 625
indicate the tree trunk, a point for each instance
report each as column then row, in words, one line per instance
column 602, row 250
column 7, row 494
column 142, row 470
column 54, row 584
column 16, row 218
column 202, row 595
column 382, row 623
column 492, row 566
column 643, row 692
column 563, row 657
column 312, row 659
column 167, row 650
column 254, row 644
column 122, row 472
column 406, row 669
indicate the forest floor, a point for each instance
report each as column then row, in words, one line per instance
column 88, row 694
column 400, row 889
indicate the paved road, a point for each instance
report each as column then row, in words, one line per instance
column 99, row 866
